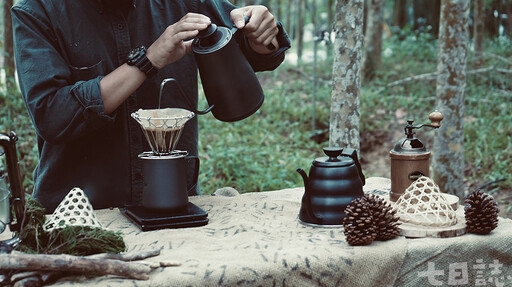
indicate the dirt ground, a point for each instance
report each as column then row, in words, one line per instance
column 375, row 147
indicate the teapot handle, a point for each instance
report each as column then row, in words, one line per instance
column 352, row 153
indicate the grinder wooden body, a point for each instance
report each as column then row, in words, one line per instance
column 405, row 169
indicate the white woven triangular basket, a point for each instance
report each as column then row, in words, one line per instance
column 74, row 210
column 423, row 203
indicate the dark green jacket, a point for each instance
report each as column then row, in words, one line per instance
column 62, row 50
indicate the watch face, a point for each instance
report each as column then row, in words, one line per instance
column 135, row 54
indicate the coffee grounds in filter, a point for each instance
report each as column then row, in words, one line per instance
column 162, row 127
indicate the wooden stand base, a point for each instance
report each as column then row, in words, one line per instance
column 419, row 231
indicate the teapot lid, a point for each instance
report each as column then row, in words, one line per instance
column 333, row 158
column 211, row 39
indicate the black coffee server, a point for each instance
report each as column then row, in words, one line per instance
column 334, row 181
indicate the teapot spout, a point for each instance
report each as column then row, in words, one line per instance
column 305, row 178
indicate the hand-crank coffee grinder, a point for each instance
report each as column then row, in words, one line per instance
column 410, row 159
column 164, row 170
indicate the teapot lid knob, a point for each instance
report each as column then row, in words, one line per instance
column 333, row 152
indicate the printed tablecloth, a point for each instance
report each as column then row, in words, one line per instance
column 254, row 239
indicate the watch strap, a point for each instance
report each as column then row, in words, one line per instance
column 138, row 58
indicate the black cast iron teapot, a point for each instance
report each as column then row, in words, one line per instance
column 334, row 181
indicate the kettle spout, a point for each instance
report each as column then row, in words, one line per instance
column 304, row 177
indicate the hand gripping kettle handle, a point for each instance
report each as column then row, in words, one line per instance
column 270, row 46
column 192, row 107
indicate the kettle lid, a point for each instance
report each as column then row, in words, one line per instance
column 333, row 158
column 212, row 39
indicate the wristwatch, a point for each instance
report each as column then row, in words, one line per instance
column 137, row 57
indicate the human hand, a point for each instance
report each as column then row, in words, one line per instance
column 172, row 45
column 260, row 31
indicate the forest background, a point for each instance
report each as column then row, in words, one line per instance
column 262, row 152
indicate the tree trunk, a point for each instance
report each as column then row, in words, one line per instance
column 426, row 13
column 373, row 40
column 289, row 19
column 400, row 13
column 478, row 30
column 509, row 17
column 346, row 80
column 300, row 29
column 330, row 15
column 8, row 45
column 278, row 10
column 492, row 22
column 448, row 154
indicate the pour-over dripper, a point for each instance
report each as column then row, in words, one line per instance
column 162, row 127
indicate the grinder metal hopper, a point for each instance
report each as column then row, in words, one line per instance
column 162, row 127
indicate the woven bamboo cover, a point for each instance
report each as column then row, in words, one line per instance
column 75, row 210
column 424, row 204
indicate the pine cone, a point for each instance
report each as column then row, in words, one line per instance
column 481, row 212
column 384, row 219
column 358, row 225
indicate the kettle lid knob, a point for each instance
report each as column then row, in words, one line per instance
column 333, row 152
column 207, row 32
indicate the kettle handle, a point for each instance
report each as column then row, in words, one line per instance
column 192, row 107
column 352, row 153
column 270, row 46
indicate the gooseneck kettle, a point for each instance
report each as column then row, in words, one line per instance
column 333, row 182
column 230, row 85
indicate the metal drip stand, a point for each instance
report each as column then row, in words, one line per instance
column 165, row 201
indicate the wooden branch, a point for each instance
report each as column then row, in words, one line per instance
column 505, row 71
column 41, row 277
column 309, row 77
column 131, row 256
column 427, row 76
column 503, row 59
column 433, row 76
column 70, row 263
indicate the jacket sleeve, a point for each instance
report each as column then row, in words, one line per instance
column 60, row 108
column 219, row 13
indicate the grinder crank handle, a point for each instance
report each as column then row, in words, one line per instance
column 270, row 46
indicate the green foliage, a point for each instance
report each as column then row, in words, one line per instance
column 488, row 134
column 14, row 117
column 73, row 240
